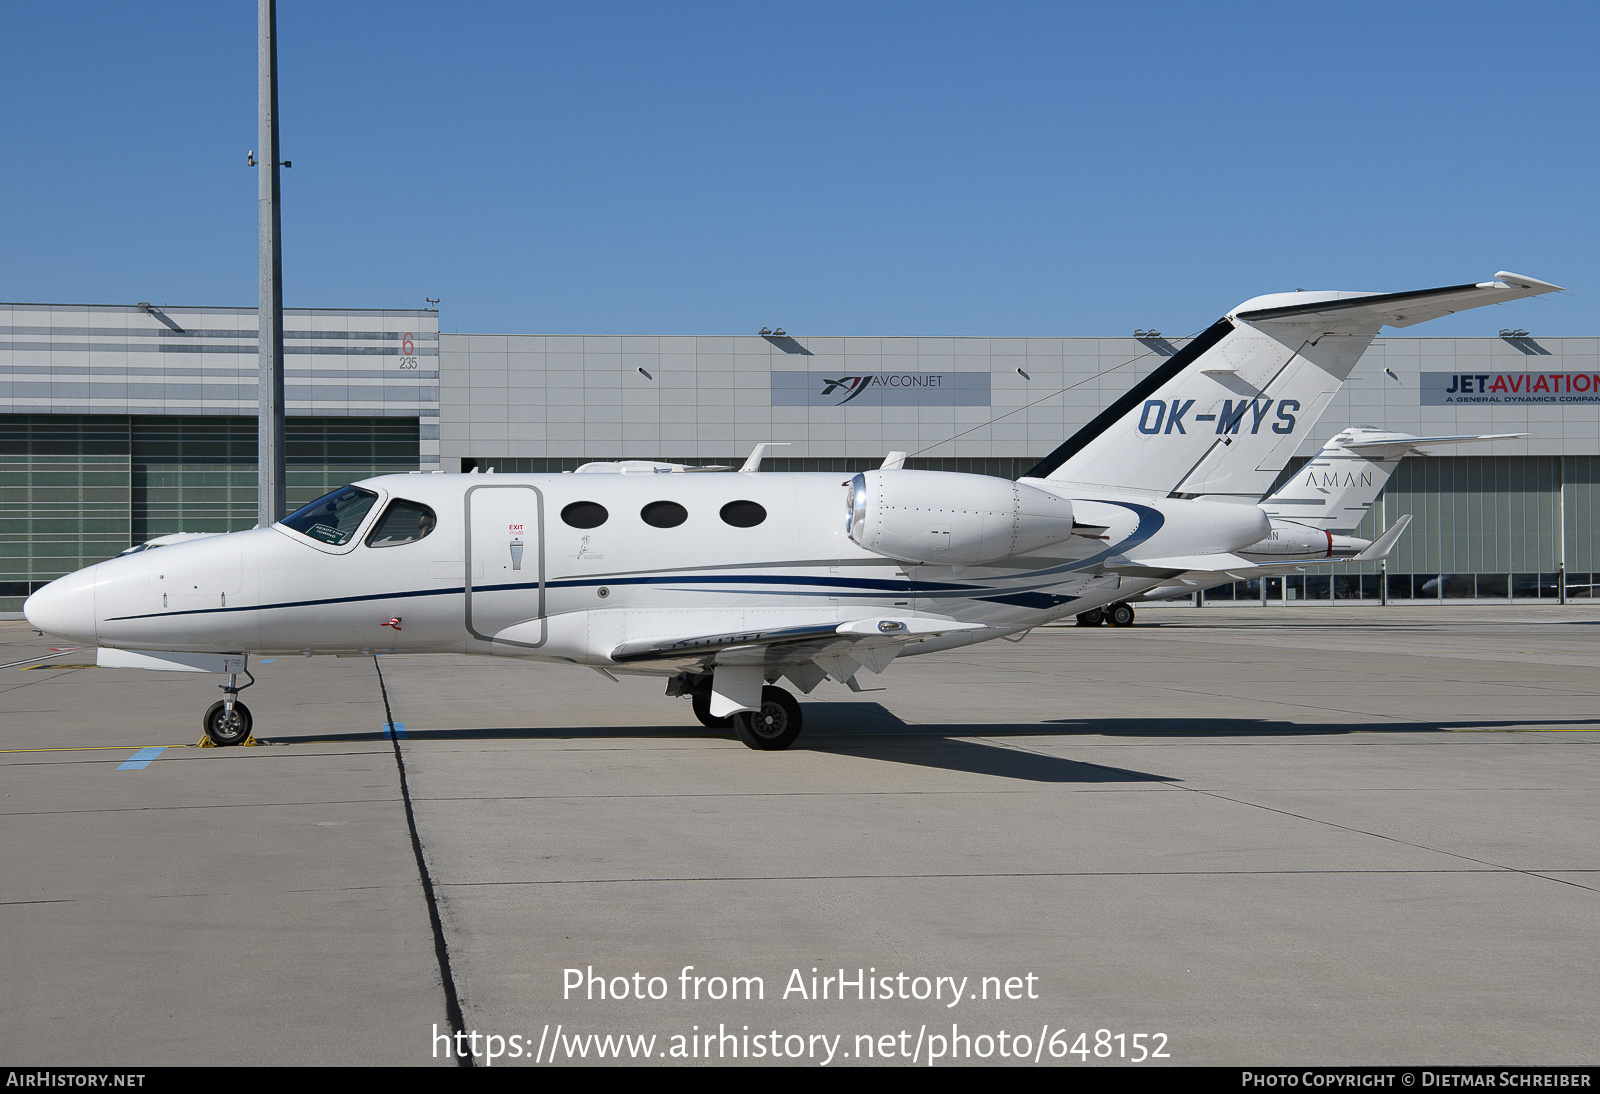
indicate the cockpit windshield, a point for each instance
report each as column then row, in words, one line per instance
column 332, row 518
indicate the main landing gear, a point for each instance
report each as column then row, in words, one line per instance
column 227, row 721
column 701, row 700
column 1118, row 615
column 774, row 727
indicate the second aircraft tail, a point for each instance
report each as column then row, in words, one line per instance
column 1336, row 489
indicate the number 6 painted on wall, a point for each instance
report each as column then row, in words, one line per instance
column 405, row 344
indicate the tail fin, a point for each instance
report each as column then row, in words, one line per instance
column 1225, row 414
column 1334, row 491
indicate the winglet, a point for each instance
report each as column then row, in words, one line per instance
column 1521, row 282
column 1385, row 543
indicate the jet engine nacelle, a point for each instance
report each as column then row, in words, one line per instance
column 942, row 518
column 1292, row 540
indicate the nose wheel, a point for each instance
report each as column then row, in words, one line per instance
column 224, row 727
column 227, row 721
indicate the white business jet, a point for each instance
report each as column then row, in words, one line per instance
column 1314, row 515
column 725, row 582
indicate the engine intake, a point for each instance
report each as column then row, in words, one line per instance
column 951, row 519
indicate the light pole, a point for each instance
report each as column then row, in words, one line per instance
column 271, row 499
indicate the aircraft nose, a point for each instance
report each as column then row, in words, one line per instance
column 65, row 607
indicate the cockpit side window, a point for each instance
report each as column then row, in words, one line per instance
column 332, row 518
column 403, row 522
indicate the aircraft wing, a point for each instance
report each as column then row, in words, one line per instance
column 1165, row 567
column 804, row 653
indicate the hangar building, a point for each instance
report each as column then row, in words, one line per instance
column 119, row 423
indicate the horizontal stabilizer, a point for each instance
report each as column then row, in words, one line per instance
column 1396, row 309
column 1377, row 446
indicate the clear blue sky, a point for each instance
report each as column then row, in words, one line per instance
column 832, row 168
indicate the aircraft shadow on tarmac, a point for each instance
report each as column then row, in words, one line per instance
column 870, row 731
column 864, row 730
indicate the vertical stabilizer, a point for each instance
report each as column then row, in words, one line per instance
column 1225, row 414
column 1337, row 488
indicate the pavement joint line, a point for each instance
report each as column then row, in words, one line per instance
column 1014, row 874
column 1042, row 788
column 90, row 748
column 118, row 897
column 45, row 657
column 1142, row 787
column 215, row 805
column 1380, row 835
column 441, row 946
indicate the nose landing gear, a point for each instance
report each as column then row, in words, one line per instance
column 227, row 721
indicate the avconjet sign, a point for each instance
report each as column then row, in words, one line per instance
column 1502, row 388
column 880, row 388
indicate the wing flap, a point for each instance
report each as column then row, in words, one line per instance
column 1218, row 563
column 790, row 644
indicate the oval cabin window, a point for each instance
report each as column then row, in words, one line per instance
column 663, row 514
column 743, row 514
column 584, row 514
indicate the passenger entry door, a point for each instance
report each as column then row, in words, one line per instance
column 504, row 530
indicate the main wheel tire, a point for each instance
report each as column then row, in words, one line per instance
column 224, row 729
column 1122, row 615
column 1091, row 618
column 775, row 726
column 701, row 701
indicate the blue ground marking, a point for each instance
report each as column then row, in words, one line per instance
column 141, row 759
column 399, row 729
column 266, row 661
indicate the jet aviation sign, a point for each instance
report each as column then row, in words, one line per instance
column 1492, row 388
column 880, row 388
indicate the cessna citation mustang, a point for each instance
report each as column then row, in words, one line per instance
column 722, row 583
